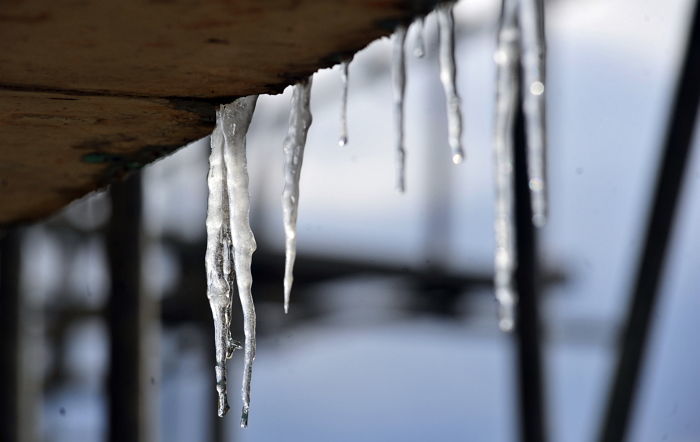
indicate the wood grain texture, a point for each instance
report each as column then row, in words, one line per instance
column 92, row 89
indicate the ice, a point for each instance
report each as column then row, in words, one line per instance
column 235, row 119
column 299, row 122
column 531, row 17
column 218, row 261
column 398, row 76
column 344, row 66
column 230, row 242
column 506, row 58
column 419, row 48
column 448, row 73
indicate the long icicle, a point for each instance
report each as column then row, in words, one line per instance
column 398, row 75
column 218, row 262
column 419, row 44
column 344, row 76
column 235, row 119
column 448, row 76
column 506, row 58
column 531, row 18
column 299, row 123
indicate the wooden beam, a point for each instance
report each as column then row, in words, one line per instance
column 56, row 147
column 91, row 89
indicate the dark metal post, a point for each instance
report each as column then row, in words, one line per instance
column 127, row 400
column 682, row 121
column 9, row 338
column 527, row 332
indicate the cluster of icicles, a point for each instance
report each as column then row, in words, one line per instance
column 230, row 241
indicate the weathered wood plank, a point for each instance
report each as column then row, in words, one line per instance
column 90, row 89
column 58, row 147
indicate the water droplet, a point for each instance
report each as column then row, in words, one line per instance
column 536, row 184
column 537, row 88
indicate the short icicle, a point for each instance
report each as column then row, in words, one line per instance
column 218, row 262
column 531, row 18
column 448, row 76
column 299, row 123
column 506, row 58
column 419, row 46
column 398, row 76
column 344, row 76
column 234, row 120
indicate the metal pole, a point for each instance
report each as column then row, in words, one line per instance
column 9, row 338
column 127, row 401
column 682, row 121
column 527, row 332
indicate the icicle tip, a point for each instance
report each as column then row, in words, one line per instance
column 288, row 280
column 506, row 324
column 401, row 186
column 343, row 141
column 223, row 403
column 457, row 158
column 244, row 416
column 539, row 220
column 537, row 88
column 506, row 316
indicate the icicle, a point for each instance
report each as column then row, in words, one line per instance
column 234, row 120
column 344, row 66
column 419, row 48
column 218, row 261
column 299, row 122
column 398, row 75
column 448, row 74
column 506, row 58
column 531, row 15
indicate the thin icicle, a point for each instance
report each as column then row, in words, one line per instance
column 506, row 58
column 218, row 261
column 419, row 48
column 299, row 123
column 344, row 66
column 448, row 74
column 234, row 120
column 531, row 15
column 398, row 75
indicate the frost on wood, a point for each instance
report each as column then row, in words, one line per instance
column 448, row 74
column 299, row 123
column 506, row 58
column 230, row 242
column 344, row 76
column 398, row 78
column 531, row 15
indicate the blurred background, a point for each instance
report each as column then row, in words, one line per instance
column 392, row 332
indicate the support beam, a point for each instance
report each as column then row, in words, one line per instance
column 532, row 409
column 9, row 338
column 128, row 401
column 676, row 147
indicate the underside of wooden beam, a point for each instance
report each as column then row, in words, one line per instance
column 93, row 89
